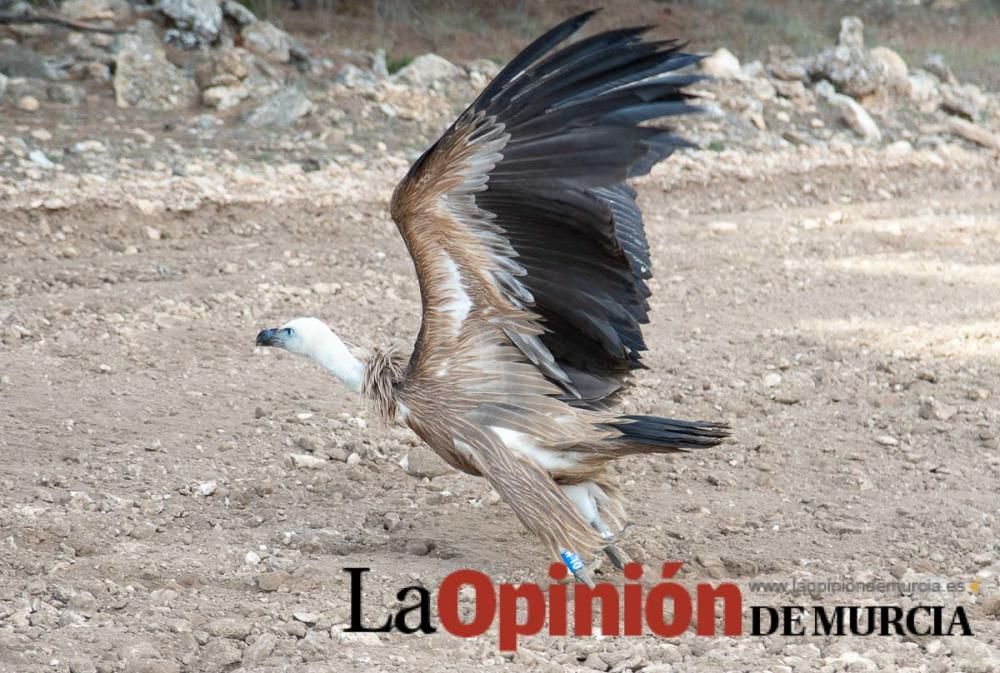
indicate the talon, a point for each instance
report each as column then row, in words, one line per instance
column 616, row 556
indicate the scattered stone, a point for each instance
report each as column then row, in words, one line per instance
column 893, row 64
column 932, row 410
column 208, row 488
column 849, row 66
column 265, row 39
column 364, row 639
column 202, row 19
column 794, row 90
column 145, row 79
column 222, row 67
column 859, row 120
column 722, row 227
column 260, row 649
column 974, row 133
column 852, row 661
column 306, row 617
column 790, row 70
column 426, row 69
column 923, row 89
column 219, row 655
column 38, row 158
column 95, row 10
column 251, row 558
column 28, row 103
column 935, row 65
column 273, row 581
column 379, row 66
column 965, row 100
column 887, row 440
column 89, row 147
column 354, row 77
column 713, row 565
column 722, row 64
column 898, row 150
column 418, row 548
column 67, row 94
column 281, row 110
column 81, row 664
column 420, row 462
column 230, row 627
column 326, row 288
column 17, row 61
column 306, row 462
column 297, row 629
column 138, row 650
column 853, row 114
column 224, row 98
column 152, row 666
column 238, row 12
column 852, row 33
column 772, row 379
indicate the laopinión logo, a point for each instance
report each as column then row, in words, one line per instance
column 632, row 610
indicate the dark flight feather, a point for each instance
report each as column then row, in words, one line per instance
column 559, row 193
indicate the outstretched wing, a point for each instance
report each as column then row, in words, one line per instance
column 522, row 207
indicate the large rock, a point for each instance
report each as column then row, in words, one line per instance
column 923, row 89
column 95, row 10
column 964, row 100
column 420, row 463
column 355, row 77
column 790, row 71
column 17, row 61
column 64, row 93
column 426, row 69
column 852, row 33
column 281, row 110
column 849, row 66
column 224, row 97
column 853, row 114
column 144, row 78
column 894, row 68
column 722, row 64
column 935, row 65
column 894, row 65
column 201, row 18
column 222, row 67
column 267, row 40
column 973, row 133
column 238, row 13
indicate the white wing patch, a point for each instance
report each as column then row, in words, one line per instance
column 459, row 303
column 525, row 445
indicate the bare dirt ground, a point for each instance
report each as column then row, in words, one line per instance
column 840, row 310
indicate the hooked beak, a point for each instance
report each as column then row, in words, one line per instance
column 269, row 337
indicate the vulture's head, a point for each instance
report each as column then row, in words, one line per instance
column 302, row 336
column 314, row 339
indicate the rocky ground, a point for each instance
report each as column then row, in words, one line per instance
column 173, row 500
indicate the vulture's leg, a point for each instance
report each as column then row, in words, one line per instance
column 617, row 557
column 585, row 497
column 541, row 505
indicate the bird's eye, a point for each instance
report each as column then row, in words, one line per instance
column 287, row 331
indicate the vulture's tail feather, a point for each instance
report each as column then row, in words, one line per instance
column 652, row 434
